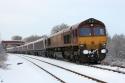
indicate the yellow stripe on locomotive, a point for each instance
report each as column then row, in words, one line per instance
column 93, row 42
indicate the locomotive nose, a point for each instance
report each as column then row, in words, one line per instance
column 92, row 42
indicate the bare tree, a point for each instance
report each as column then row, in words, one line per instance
column 116, row 48
column 31, row 38
column 117, row 45
column 58, row 28
column 44, row 36
column 16, row 37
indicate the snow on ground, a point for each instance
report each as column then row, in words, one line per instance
column 67, row 76
column 23, row 73
column 28, row 73
column 108, row 76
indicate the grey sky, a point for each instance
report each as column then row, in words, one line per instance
column 30, row 17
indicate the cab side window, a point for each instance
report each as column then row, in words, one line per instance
column 67, row 39
column 49, row 42
column 74, row 33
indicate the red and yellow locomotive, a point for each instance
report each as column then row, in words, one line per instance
column 84, row 42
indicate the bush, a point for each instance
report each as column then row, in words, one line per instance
column 116, row 48
column 3, row 56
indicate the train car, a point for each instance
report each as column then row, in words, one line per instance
column 39, row 47
column 20, row 48
column 10, row 49
column 30, row 48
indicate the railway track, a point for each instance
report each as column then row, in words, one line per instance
column 46, row 71
column 108, row 69
column 62, row 81
column 117, row 66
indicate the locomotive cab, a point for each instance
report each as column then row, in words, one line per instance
column 92, row 40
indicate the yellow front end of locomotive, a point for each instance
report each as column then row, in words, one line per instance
column 92, row 42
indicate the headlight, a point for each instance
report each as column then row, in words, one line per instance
column 104, row 45
column 103, row 51
column 81, row 45
column 85, row 51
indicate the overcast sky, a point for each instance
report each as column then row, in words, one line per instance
column 37, row 17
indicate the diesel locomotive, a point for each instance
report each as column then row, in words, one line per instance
column 83, row 42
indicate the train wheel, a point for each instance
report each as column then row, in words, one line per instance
column 54, row 55
column 77, row 60
column 64, row 56
column 73, row 58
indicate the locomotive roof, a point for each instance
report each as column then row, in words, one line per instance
column 88, row 21
column 64, row 30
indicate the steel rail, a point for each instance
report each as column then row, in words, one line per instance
column 94, row 79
